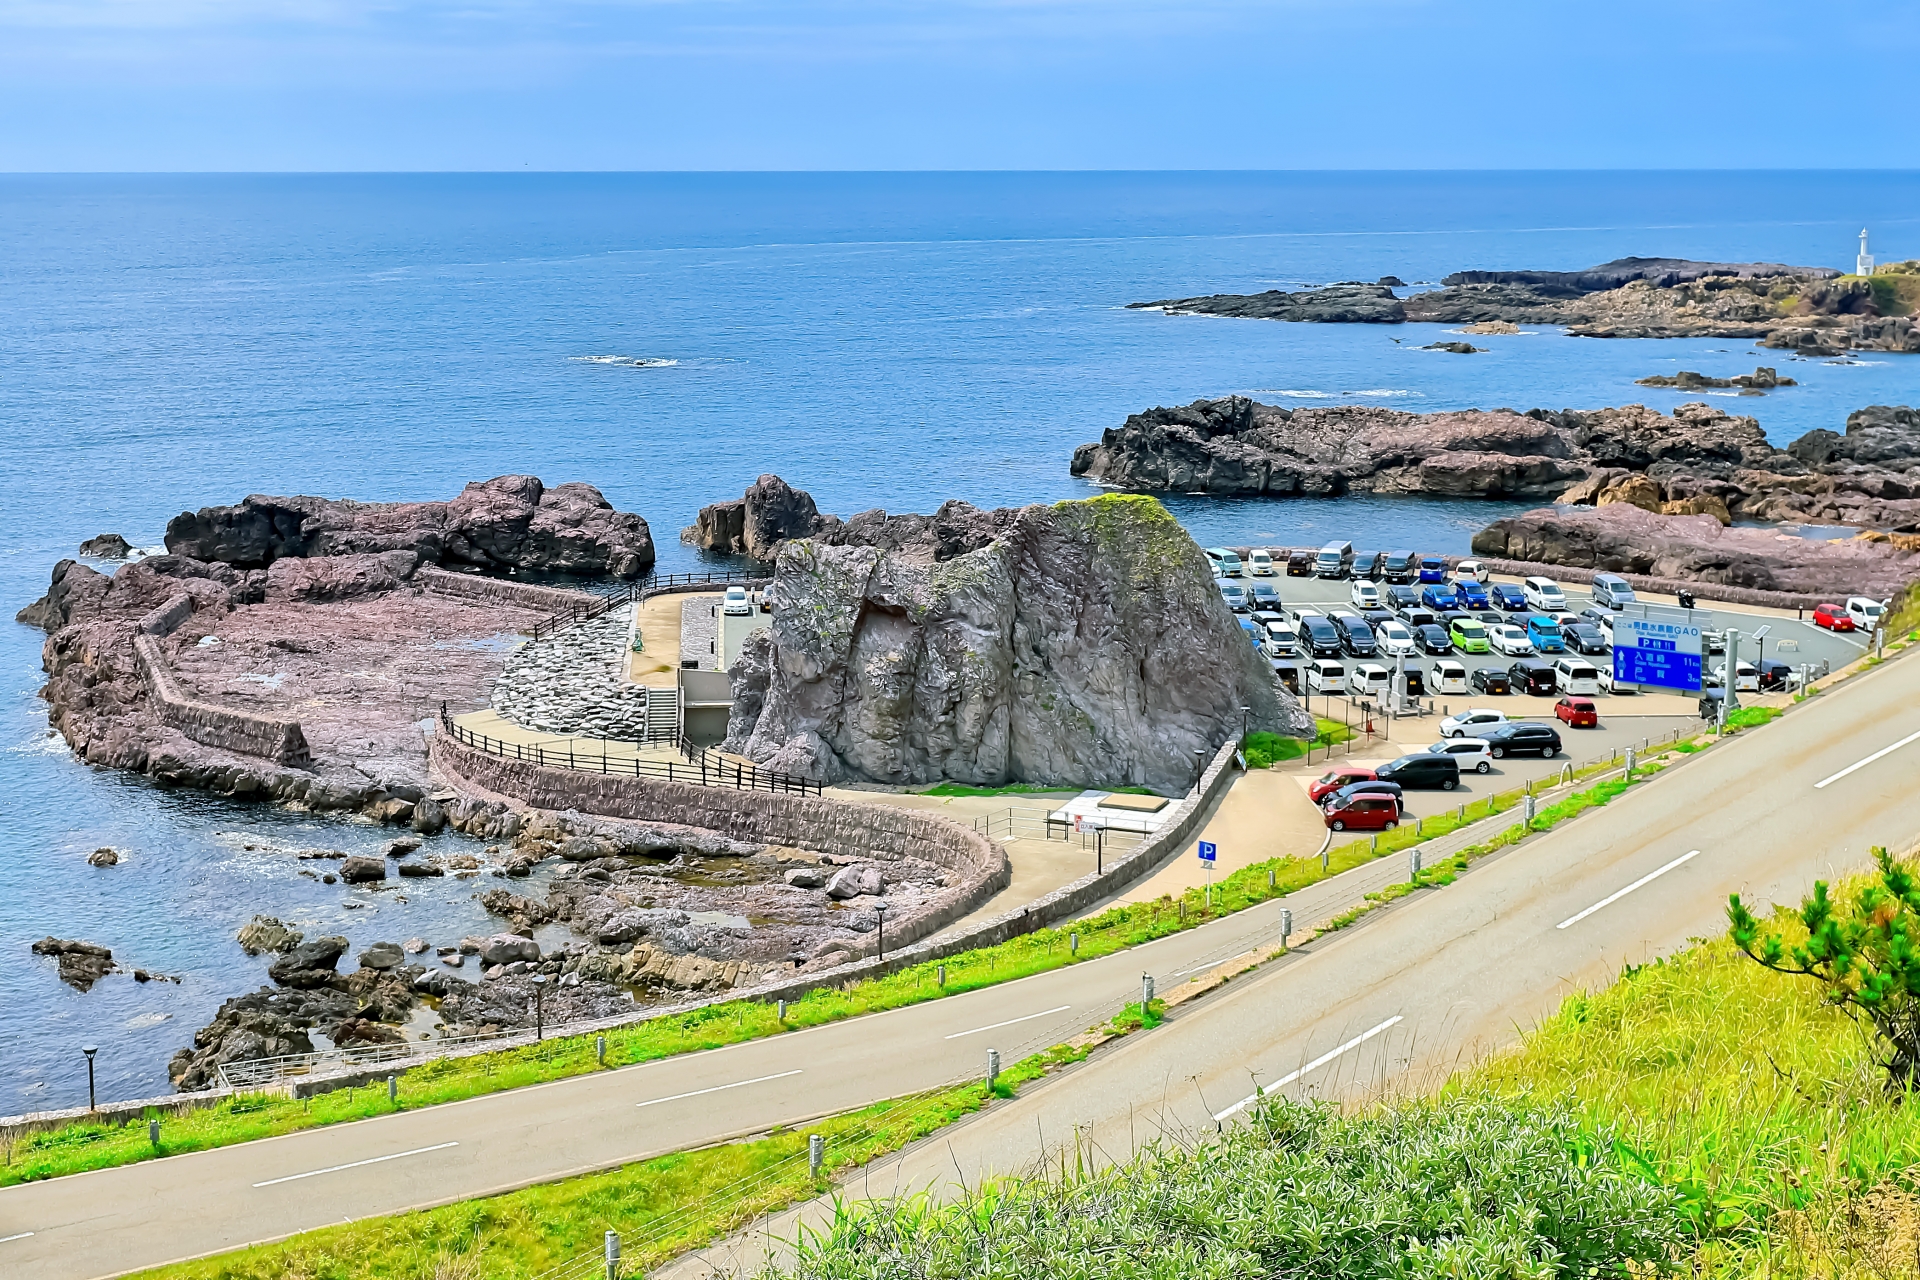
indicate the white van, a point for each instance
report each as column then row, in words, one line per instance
column 1470, row 569
column 1571, row 675
column 1865, row 613
column 1544, row 595
column 1364, row 594
column 1326, row 676
column 1283, row 640
column 1225, row 563
column 1372, row 679
column 1259, row 563
column 1449, row 677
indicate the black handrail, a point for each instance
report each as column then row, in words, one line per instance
column 703, row 768
column 637, row 591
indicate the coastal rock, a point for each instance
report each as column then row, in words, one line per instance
column 104, row 858
column 852, row 882
column 363, row 870
column 81, row 964
column 806, row 878
column 261, row 1024
column 508, row 1002
column 1457, row 348
column 1762, row 378
column 911, row 649
column 1335, row 304
column 421, row 870
column 403, row 846
column 382, row 955
column 309, row 965
column 505, row 948
column 106, row 546
column 265, row 933
column 771, row 512
column 429, row 818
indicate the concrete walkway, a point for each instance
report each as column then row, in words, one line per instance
column 659, row 623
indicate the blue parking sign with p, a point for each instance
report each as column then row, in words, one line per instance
column 1207, row 851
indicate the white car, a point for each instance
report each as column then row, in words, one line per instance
column 1259, row 563
column 1471, row 569
column 1394, row 638
column 1449, row 677
column 1283, row 641
column 1746, row 678
column 1472, row 753
column 1474, row 721
column 1372, row 678
column 1544, row 595
column 736, row 601
column 1326, row 676
column 1865, row 613
column 1608, row 685
column 1364, row 594
column 1509, row 639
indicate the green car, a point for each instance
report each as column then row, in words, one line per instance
column 1469, row 636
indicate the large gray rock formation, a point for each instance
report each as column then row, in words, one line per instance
column 754, row 525
column 507, row 523
column 1082, row 643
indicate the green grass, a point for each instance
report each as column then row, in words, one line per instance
column 1263, row 749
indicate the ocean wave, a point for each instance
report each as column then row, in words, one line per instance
column 1383, row 392
column 628, row 362
column 1297, row 394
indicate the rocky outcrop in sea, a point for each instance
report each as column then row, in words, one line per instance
column 1077, row 644
column 754, row 525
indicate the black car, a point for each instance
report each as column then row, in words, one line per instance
column 1451, row 616
column 1263, row 596
column 1400, row 566
column 1490, row 680
column 1583, row 637
column 1366, row 564
column 1372, row 787
column 1416, row 679
column 1300, row 563
column 1418, row 617
column 1530, row 675
column 1774, row 676
column 1520, row 738
column 1357, row 638
column 1432, row 639
column 1288, row 674
column 1402, row 598
column 1420, row 771
column 1375, row 617
column 1322, row 637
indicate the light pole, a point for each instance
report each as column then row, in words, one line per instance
column 90, row 1050
column 880, row 911
column 1245, row 713
column 1760, row 654
column 1199, row 768
column 539, row 1012
column 1730, row 678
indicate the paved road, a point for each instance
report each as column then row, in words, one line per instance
column 1453, row 972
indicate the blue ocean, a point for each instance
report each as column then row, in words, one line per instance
column 880, row 340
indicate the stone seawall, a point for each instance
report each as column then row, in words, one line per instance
column 281, row 741
column 520, row 595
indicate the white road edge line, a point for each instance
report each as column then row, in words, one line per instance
column 22, row 1236
column 1618, row 894
column 1009, row 1022
column 1315, row 1065
column 314, row 1173
column 782, row 1075
column 1861, row 764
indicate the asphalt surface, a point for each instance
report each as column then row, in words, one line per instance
column 1443, row 977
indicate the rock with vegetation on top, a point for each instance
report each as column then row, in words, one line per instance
column 1080, row 643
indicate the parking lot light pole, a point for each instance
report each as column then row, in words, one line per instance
column 1199, row 768
column 880, row 915
column 1730, row 678
column 90, row 1050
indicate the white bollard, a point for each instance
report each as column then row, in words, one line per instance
column 1413, row 864
column 993, row 1068
column 1286, row 924
column 816, row 1153
column 613, row 1255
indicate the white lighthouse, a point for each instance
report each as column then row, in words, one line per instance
column 1863, row 265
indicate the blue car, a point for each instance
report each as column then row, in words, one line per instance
column 1433, row 568
column 1473, row 595
column 1508, row 597
column 1440, row 598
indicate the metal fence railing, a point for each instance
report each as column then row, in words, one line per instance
column 635, row 592
column 1018, row 822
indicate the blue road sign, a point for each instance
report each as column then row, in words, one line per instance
column 1665, row 655
column 1207, row 851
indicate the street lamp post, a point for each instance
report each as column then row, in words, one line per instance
column 1245, row 713
column 1199, row 768
column 539, row 1010
column 90, row 1050
column 880, row 911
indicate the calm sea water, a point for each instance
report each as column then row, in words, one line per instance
column 880, row 340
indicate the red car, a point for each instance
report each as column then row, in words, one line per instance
column 1833, row 617
column 1334, row 779
column 1579, row 713
column 1365, row 812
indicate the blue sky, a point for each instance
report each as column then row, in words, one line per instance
column 992, row 84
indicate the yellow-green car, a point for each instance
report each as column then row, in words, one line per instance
column 1468, row 635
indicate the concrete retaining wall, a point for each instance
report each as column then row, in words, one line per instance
column 208, row 724
column 520, row 595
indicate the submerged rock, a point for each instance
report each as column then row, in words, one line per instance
column 105, row 857
column 265, row 933
column 106, row 546
column 81, row 964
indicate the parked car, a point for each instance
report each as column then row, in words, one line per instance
column 1584, row 637
column 1225, row 561
column 1335, row 560
column 1864, row 612
column 1356, row 637
column 1473, row 594
column 1334, row 779
column 1401, row 598
column 1575, row 675
column 1472, row 570
column 1431, row 639
column 1288, row 674
column 1363, row 594
column 1366, row 564
column 1610, row 591
column 1400, row 566
column 1421, row 771
column 1365, row 813
column 1746, row 677
column 1543, row 633
column 1471, row 721
column 1831, row 616
column 1544, row 595
column 1522, row 738
column 1490, row 680
column 1440, row 598
column 1610, row 685
column 1600, row 620
column 1375, row 617
column 1416, row 677
column 1394, row 638
column 1322, row 637
column 736, row 601
column 1300, row 563
column 1260, row 563
column 1418, row 617
column 1326, row 676
column 1468, row 636
column 1775, row 676
column 1449, row 677
column 1371, row 679
column 1234, row 594
column 1433, row 569
column 1468, row 753
column 1531, row 675
column 1577, row 713
column 1509, row 639
column 1509, row 597
column 1283, row 639
column 1366, row 787
column 1263, row 595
